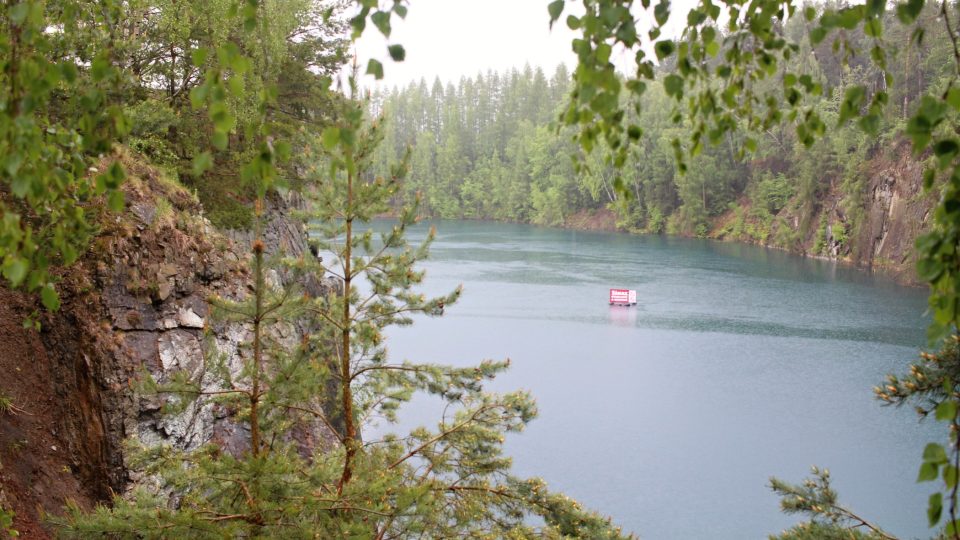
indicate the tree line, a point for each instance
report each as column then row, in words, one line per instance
column 494, row 146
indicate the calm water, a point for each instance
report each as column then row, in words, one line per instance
column 739, row 363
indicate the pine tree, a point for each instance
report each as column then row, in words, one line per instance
column 450, row 482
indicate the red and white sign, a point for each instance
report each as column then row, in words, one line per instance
column 625, row 297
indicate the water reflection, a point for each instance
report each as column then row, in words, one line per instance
column 623, row 315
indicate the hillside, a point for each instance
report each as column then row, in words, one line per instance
column 136, row 302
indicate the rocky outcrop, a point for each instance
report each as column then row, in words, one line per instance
column 137, row 303
column 894, row 211
column 874, row 228
column 897, row 212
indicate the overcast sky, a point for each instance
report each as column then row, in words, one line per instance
column 454, row 38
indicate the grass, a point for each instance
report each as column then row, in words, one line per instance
column 6, row 404
column 165, row 215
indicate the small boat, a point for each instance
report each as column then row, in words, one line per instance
column 623, row 297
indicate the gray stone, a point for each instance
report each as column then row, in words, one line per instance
column 144, row 212
column 165, row 289
column 180, row 350
column 187, row 318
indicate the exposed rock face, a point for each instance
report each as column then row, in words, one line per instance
column 892, row 210
column 898, row 212
column 138, row 302
column 895, row 211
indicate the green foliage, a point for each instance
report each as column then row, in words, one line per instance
column 773, row 192
column 6, row 523
column 6, row 404
column 151, row 121
column 839, row 232
column 449, row 482
column 813, row 530
column 820, row 240
column 58, row 119
column 930, row 386
column 739, row 79
column 829, row 519
column 656, row 221
column 785, row 236
column 750, row 75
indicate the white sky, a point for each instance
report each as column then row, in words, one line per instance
column 454, row 38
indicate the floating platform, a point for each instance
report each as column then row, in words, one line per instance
column 623, row 297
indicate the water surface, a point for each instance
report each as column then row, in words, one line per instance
column 738, row 364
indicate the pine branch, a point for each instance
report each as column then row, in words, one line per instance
column 443, row 434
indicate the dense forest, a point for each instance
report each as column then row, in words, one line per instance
column 493, row 146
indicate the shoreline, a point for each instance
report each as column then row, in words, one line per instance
column 603, row 220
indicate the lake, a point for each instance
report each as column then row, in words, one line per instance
column 738, row 363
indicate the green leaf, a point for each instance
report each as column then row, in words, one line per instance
column 849, row 18
column 934, row 508
column 673, row 85
column 817, row 35
column 947, row 410
column 945, row 150
column 100, row 68
column 929, row 270
column 115, row 200
column 953, row 97
column 202, row 163
column 852, row 102
column 934, row 453
column 220, row 140
column 876, row 8
column 381, row 20
column 18, row 13
column 115, row 175
column 870, row 123
column 661, row 12
column 15, row 270
column 198, row 95
column 708, row 34
column 397, row 53
column 375, row 68
column 69, row 71
column 223, row 120
column 664, row 48
column 949, row 476
column 928, row 472
column 695, row 17
column 199, row 56
column 330, row 137
column 235, row 84
column 49, row 297
column 908, row 11
column 555, row 9
column 359, row 24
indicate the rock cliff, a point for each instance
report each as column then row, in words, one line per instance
column 137, row 301
column 872, row 222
